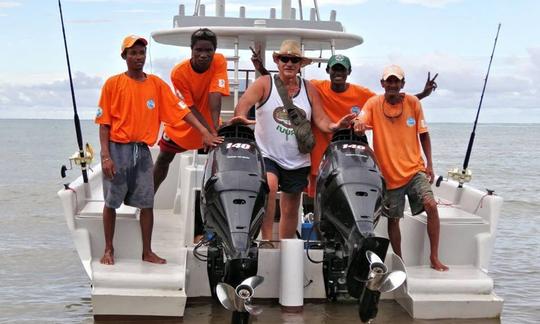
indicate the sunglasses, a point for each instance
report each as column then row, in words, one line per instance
column 293, row 59
column 204, row 32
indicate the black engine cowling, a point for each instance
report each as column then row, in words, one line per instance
column 349, row 191
column 234, row 190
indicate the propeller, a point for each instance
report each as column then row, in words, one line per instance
column 239, row 299
column 379, row 279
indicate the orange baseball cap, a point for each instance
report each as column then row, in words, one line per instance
column 393, row 70
column 130, row 40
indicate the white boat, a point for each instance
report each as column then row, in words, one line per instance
column 132, row 287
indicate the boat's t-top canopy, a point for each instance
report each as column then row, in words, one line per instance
column 241, row 32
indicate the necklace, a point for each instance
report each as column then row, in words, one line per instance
column 391, row 113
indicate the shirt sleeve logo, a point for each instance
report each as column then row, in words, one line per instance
column 411, row 122
column 355, row 110
column 221, row 83
column 99, row 112
column 150, row 104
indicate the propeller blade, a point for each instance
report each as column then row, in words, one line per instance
column 372, row 257
column 252, row 309
column 392, row 281
column 253, row 282
column 226, row 295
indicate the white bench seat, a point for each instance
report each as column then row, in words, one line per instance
column 453, row 215
column 95, row 209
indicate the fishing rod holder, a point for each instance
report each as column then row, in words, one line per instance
column 461, row 176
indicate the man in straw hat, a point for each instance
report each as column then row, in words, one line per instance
column 131, row 108
column 287, row 168
column 397, row 121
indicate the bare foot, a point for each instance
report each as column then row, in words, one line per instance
column 153, row 258
column 108, row 257
column 437, row 265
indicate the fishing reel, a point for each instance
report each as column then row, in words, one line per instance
column 84, row 161
column 461, row 176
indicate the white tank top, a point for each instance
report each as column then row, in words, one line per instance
column 273, row 132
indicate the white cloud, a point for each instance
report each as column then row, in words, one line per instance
column 511, row 93
column 50, row 100
column 137, row 11
column 89, row 21
column 341, row 2
column 430, row 3
column 9, row 4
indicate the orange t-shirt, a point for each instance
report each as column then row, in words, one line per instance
column 395, row 139
column 194, row 88
column 134, row 109
column 336, row 105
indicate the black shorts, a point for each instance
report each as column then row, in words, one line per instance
column 289, row 181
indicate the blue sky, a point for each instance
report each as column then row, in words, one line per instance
column 451, row 37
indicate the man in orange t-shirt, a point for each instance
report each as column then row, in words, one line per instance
column 131, row 108
column 397, row 121
column 340, row 98
column 200, row 81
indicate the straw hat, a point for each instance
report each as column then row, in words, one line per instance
column 290, row 47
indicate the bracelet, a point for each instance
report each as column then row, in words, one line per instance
column 105, row 160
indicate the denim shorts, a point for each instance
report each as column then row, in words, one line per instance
column 290, row 181
column 133, row 182
column 416, row 190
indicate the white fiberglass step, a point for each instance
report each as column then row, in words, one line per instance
column 460, row 279
column 130, row 273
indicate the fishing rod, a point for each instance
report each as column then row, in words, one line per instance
column 465, row 175
column 82, row 158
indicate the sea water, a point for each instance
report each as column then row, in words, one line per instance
column 42, row 280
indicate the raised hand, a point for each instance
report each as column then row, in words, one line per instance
column 431, row 85
column 257, row 60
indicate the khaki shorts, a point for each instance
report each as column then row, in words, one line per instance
column 416, row 190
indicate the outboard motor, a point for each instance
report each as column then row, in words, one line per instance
column 233, row 197
column 349, row 193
